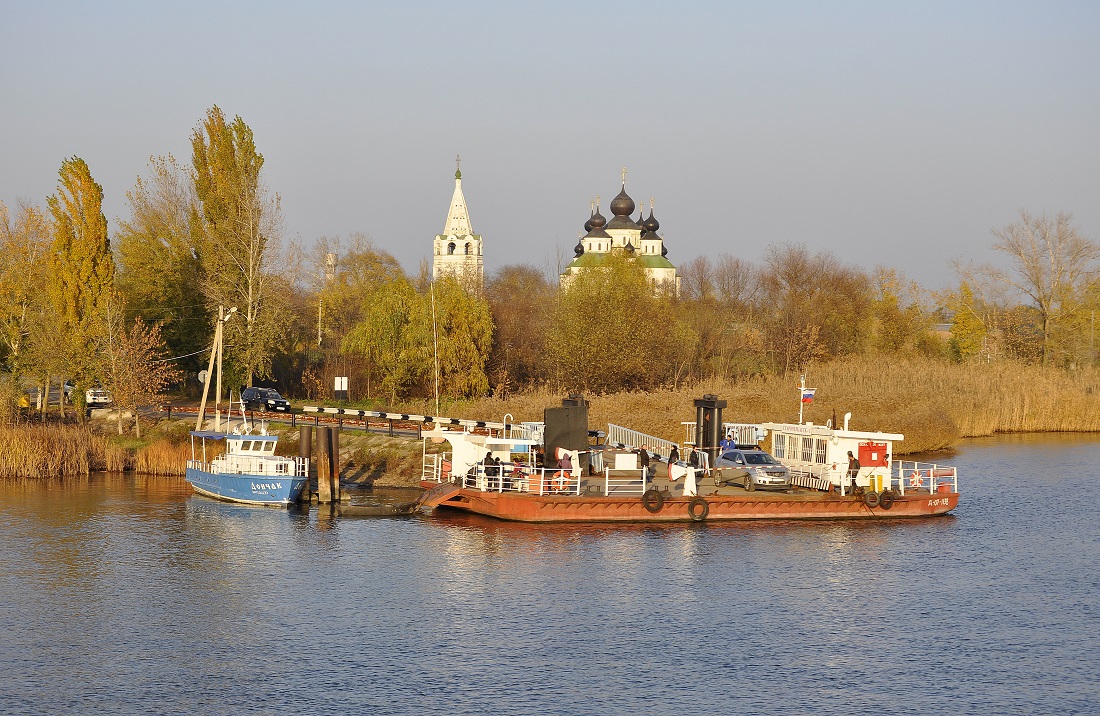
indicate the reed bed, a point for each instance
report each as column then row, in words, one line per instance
column 56, row 451
column 162, row 458
column 933, row 403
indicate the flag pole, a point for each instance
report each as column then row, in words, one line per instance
column 801, row 392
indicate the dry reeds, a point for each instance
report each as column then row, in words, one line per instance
column 163, row 458
column 933, row 403
column 56, row 451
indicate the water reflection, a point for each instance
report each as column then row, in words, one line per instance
column 134, row 595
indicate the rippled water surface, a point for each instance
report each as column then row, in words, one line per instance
column 131, row 595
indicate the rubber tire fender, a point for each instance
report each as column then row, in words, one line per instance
column 886, row 499
column 653, row 500
column 871, row 499
column 698, row 509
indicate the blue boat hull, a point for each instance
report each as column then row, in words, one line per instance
column 279, row 491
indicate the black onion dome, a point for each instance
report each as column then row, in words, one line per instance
column 578, row 249
column 597, row 221
column 622, row 205
column 664, row 250
column 588, row 224
column 651, row 224
column 629, row 247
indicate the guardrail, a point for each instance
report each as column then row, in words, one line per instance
column 624, row 485
column 535, row 480
column 911, row 475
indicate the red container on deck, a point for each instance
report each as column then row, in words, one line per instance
column 943, row 488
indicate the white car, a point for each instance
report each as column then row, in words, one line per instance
column 753, row 469
column 96, row 397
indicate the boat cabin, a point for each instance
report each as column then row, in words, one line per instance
column 817, row 455
column 243, row 454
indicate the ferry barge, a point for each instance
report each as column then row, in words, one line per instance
column 615, row 487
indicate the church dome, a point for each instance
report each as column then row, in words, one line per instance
column 578, row 249
column 664, row 250
column 597, row 221
column 588, row 224
column 622, row 205
column 651, row 224
column 629, row 248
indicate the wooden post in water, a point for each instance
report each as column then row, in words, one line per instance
column 337, row 493
column 324, row 465
column 305, row 450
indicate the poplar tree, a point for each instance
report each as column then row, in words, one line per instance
column 239, row 238
column 82, row 269
column 159, row 272
column 23, row 248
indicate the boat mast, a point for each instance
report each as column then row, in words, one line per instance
column 215, row 351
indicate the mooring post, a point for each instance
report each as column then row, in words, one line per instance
column 324, row 465
column 337, row 493
column 305, row 450
column 390, row 420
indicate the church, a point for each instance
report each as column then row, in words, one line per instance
column 458, row 251
column 637, row 238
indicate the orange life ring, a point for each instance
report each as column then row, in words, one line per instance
column 914, row 479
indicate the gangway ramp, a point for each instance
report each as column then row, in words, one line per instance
column 623, row 437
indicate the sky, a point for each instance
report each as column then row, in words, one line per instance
column 892, row 134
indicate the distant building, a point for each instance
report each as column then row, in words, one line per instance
column 637, row 239
column 458, row 249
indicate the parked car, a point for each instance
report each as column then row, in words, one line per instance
column 264, row 399
column 752, row 468
column 97, row 397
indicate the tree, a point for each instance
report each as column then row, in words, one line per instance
column 812, row 306
column 901, row 322
column 82, row 268
column 519, row 299
column 968, row 325
column 400, row 336
column 611, row 331
column 160, row 274
column 136, row 370
column 1054, row 267
column 240, row 227
column 23, row 247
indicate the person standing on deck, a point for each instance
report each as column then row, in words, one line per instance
column 853, row 469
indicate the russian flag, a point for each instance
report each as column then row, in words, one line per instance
column 808, row 395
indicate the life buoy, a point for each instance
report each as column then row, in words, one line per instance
column 698, row 509
column 914, row 479
column 653, row 500
column 871, row 498
column 886, row 499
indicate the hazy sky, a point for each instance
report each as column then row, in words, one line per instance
column 893, row 133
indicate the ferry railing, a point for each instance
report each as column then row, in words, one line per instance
column 624, row 482
column 436, row 467
column 912, row 476
column 533, row 480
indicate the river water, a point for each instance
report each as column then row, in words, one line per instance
column 132, row 595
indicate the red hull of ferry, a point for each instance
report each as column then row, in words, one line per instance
column 526, row 507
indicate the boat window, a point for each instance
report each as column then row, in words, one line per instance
column 779, row 445
column 819, row 451
column 281, row 468
column 807, row 448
